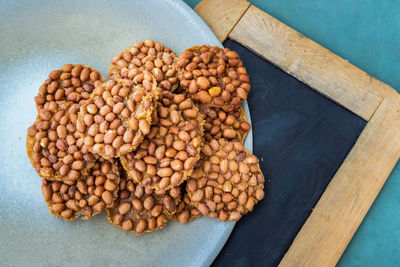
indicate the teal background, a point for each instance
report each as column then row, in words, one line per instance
column 366, row 33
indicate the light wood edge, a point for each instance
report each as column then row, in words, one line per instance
column 311, row 63
column 348, row 197
column 221, row 15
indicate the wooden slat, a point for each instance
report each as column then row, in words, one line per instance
column 309, row 62
column 221, row 15
column 351, row 192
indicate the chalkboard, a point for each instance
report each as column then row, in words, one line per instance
column 301, row 138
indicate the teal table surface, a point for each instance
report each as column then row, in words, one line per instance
column 366, row 33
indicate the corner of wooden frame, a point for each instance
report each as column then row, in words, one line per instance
column 222, row 15
column 351, row 192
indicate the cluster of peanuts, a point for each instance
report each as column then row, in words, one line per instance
column 161, row 140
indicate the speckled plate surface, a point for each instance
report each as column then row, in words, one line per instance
column 39, row 36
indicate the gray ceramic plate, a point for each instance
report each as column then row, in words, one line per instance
column 39, row 36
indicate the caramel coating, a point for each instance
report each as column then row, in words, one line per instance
column 148, row 55
column 214, row 76
column 170, row 151
column 140, row 209
column 87, row 197
column 72, row 83
column 220, row 124
column 55, row 149
column 118, row 115
column 185, row 211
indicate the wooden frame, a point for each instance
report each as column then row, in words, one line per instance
column 351, row 192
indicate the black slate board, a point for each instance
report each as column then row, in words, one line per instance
column 302, row 138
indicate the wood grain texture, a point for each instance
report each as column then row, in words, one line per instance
column 221, row 15
column 311, row 63
column 351, row 192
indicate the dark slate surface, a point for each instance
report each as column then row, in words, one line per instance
column 303, row 138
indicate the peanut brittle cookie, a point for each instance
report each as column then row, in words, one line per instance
column 169, row 152
column 148, row 55
column 213, row 75
column 140, row 209
column 72, row 83
column 228, row 183
column 56, row 150
column 87, row 197
column 118, row 115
